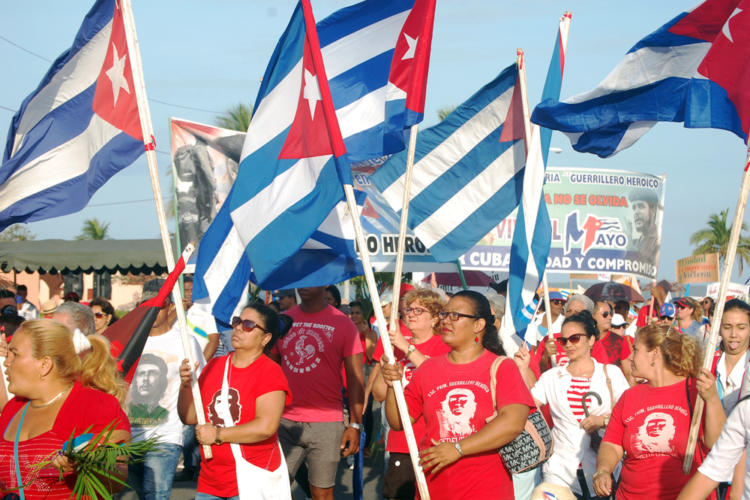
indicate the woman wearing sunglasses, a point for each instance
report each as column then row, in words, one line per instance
column 104, row 314
column 422, row 309
column 244, row 394
column 650, row 423
column 452, row 394
column 573, row 461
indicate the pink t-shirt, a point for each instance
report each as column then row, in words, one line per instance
column 431, row 348
column 455, row 401
column 311, row 356
column 652, row 425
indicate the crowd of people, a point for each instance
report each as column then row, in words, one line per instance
column 297, row 384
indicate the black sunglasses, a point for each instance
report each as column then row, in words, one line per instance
column 247, row 324
column 573, row 339
column 605, row 314
column 557, row 301
column 453, row 315
column 666, row 317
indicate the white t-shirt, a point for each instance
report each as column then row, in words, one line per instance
column 572, row 443
column 729, row 384
column 152, row 400
column 734, row 439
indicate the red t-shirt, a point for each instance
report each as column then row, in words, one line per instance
column 218, row 476
column 652, row 425
column 455, row 401
column 83, row 407
column 433, row 347
column 617, row 348
column 644, row 313
column 311, row 356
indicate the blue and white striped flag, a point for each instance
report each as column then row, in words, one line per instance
column 357, row 45
column 468, row 170
column 77, row 129
column 532, row 236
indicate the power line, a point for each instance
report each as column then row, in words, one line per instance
column 126, row 202
column 158, row 101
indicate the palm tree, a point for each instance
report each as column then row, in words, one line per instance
column 93, row 230
column 715, row 239
column 17, row 232
column 236, row 118
column 444, row 112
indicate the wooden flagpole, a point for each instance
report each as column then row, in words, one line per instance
column 399, row 267
column 148, row 138
column 398, row 388
column 521, row 62
column 734, row 238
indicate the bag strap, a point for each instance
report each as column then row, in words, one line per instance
column 609, row 386
column 493, row 383
column 15, row 452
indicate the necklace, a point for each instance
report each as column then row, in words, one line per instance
column 58, row 396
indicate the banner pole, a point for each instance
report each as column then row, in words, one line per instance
column 402, row 227
column 734, row 238
column 398, row 388
column 148, row 135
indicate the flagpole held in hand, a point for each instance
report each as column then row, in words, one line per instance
column 708, row 355
column 148, row 137
column 402, row 227
column 398, row 388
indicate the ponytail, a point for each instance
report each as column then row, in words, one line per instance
column 99, row 369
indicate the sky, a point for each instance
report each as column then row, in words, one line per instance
column 201, row 58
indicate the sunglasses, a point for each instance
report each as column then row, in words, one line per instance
column 605, row 314
column 618, row 326
column 666, row 317
column 573, row 339
column 453, row 315
column 417, row 311
column 247, row 324
column 99, row 314
column 557, row 301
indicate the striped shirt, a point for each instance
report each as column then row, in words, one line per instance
column 577, row 388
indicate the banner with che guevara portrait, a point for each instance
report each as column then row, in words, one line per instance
column 603, row 221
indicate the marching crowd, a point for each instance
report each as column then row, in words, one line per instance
column 595, row 402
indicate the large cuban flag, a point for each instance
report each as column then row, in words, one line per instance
column 77, row 129
column 694, row 69
column 468, row 170
column 358, row 45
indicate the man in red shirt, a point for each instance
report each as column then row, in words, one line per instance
column 311, row 354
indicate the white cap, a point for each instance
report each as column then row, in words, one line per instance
column 618, row 320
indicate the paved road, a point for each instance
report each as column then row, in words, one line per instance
column 343, row 490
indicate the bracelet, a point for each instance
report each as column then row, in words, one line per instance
column 355, row 425
column 457, row 445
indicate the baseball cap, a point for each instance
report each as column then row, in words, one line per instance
column 386, row 297
column 405, row 287
column 667, row 309
column 72, row 296
column 618, row 320
column 682, row 302
column 558, row 296
column 288, row 292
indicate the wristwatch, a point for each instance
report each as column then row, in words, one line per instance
column 355, row 425
column 218, row 440
column 410, row 349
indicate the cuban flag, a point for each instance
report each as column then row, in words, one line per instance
column 358, row 45
column 77, row 129
column 691, row 70
column 407, row 82
column 468, row 170
column 532, row 236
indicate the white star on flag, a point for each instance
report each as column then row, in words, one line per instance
column 412, row 47
column 116, row 74
column 311, row 92
column 725, row 28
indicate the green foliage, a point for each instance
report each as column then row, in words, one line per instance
column 715, row 239
column 93, row 229
column 96, row 463
column 444, row 112
column 236, row 118
column 17, row 232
